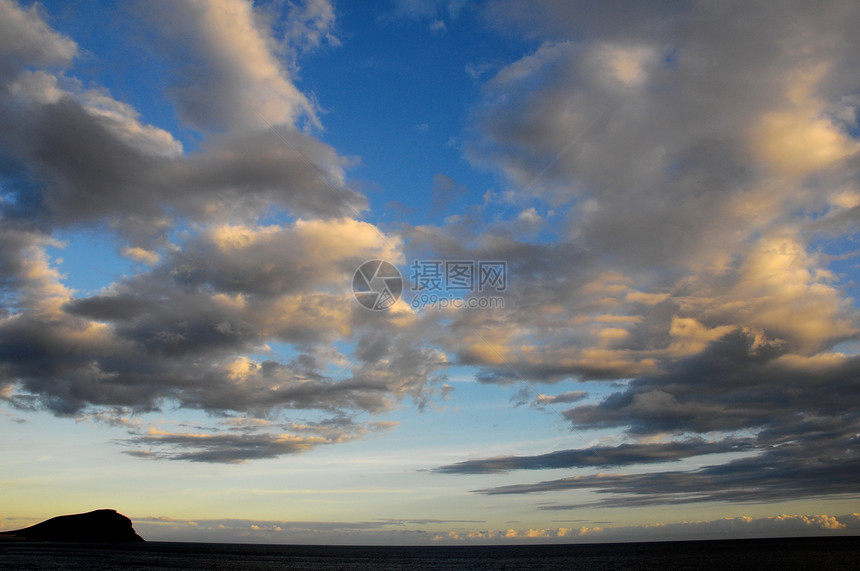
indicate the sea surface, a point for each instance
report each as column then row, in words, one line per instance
column 794, row 553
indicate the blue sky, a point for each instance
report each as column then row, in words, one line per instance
column 188, row 189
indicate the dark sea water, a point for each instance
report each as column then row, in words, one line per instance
column 796, row 553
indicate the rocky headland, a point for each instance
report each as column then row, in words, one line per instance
column 99, row 526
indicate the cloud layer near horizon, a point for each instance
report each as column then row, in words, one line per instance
column 694, row 164
column 420, row 531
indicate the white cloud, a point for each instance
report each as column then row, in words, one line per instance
column 123, row 120
column 783, row 525
column 798, row 138
column 625, row 64
column 231, row 76
column 310, row 24
column 142, row 255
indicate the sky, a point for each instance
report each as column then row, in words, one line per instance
column 612, row 290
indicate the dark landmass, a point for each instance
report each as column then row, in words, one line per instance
column 99, row 526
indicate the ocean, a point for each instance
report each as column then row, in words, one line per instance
column 794, row 553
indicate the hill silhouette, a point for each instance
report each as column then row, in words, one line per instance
column 95, row 526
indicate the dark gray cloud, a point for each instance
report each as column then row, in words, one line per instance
column 186, row 352
column 221, row 285
column 739, row 382
column 81, row 171
column 446, row 192
column 239, row 439
column 25, row 40
column 72, row 156
column 678, row 261
column 225, row 448
column 775, row 475
column 179, row 335
column 806, row 429
column 276, row 166
column 688, row 273
column 598, row 456
column 68, row 167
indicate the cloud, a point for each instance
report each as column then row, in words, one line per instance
column 75, row 155
column 693, row 177
column 675, row 227
column 228, row 75
column 28, row 40
column 85, row 158
column 568, row 397
column 192, row 328
column 744, row 526
column 681, row 164
column 304, row 532
column 310, row 24
column 783, row 525
column 225, row 448
column 740, row 381
column 673, row 156
column 800, row 138
column 238, row 439
column 446, row 192
column 142, row 255
column 229, row 291
column 600, row 456
column 805, row 430
column 770, row 477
